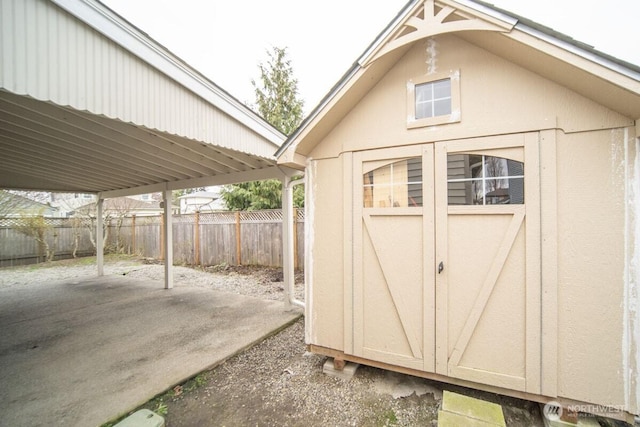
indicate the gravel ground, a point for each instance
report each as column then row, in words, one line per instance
column 261, row 282
column 277, row 382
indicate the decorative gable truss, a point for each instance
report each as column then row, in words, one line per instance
column 430, row 18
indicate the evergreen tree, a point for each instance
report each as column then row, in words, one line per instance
column 278, row 103
column 277, row 98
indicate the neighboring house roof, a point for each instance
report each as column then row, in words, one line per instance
column 67, row 202
column 124, row 206
column 15, row 205
column 201, row 195
column 575, row 65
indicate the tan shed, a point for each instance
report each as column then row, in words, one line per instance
column 473, row 209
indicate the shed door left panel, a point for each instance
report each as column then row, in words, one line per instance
column 393, row 298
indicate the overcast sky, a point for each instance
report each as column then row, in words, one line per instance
column 226, row 40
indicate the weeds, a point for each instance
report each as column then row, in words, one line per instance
column 389, row 418
column 161, row 408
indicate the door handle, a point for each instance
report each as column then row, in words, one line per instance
column 440, row 267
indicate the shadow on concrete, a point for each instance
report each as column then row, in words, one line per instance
column 82, row 352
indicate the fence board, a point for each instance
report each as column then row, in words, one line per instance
column 260, row 232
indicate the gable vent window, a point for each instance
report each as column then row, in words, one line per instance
column 433, row 99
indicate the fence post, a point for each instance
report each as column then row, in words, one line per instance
column 133, row 233
column 238, row 240
column 196, row 242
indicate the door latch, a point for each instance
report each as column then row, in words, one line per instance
column 440, row 267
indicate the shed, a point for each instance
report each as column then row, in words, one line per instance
column 473, row 202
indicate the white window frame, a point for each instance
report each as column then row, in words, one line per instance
column 453, row 117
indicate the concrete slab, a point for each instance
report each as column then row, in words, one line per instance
column 475, row 411
column 451, row 419
column 142, row 418
column 82, row 352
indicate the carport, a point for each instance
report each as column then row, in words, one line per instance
column 91, row 104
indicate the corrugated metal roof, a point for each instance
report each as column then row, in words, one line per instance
column 89, row 103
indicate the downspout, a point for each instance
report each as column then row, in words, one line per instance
column 288, row 261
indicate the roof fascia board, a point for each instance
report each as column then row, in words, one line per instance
column 503, row 17
column 382, row 37
column 105, row 21
column 272, row 172
column 572, row 48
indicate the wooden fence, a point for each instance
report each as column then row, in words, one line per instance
column 249, row 238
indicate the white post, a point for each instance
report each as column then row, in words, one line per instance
column 100, row 237
column 287, row 242
column 168, row 240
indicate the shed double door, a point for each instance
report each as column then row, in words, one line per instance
column 446, row 260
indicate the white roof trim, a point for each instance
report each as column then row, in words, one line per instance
column 591, row 56
column 385, row 33
column 510, row 20
column 103, row 20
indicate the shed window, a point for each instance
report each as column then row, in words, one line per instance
column 484, row 180
column 433, row 99
column 398, row 184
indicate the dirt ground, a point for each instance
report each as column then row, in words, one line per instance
column 278, row 383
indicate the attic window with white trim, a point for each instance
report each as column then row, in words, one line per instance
column 433, row 100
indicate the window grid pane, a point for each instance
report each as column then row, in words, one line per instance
column 484, row 180
column 398, row 184
column 433, row 99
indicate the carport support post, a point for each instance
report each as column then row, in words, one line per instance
column 100, row 237
column 287, row 241
column 167, row 231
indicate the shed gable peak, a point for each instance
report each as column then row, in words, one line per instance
column 428, row 18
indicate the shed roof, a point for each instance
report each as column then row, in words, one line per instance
column 609, row 81
column 89, row 103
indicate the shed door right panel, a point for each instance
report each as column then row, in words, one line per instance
column 487, row 239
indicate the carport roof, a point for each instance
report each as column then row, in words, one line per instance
column 89, row 103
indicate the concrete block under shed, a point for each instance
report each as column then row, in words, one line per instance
column 346, row 373
column 459, row 410
column 142, row 418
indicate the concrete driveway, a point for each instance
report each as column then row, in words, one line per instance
column 81, row 352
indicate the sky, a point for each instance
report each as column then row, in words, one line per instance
column 226, row 40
